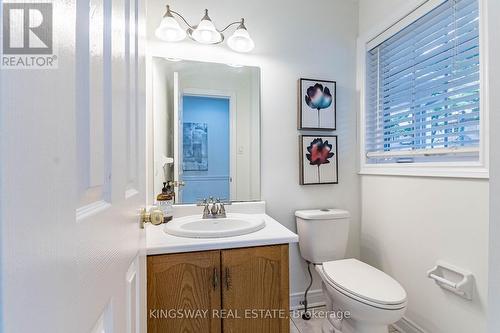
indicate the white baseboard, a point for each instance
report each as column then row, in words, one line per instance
column 405, row 325
column 314, row 298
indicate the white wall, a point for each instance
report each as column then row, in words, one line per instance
column 409, row 223
column 315, row 40
column 494, row 101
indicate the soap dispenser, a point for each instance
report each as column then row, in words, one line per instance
column 165, row 201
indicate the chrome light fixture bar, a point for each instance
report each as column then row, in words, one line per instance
column 205, row 32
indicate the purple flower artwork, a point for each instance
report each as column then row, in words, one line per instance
column 318, row 105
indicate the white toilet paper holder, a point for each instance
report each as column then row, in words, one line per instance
column 452, row 278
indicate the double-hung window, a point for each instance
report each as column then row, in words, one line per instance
column 422, row 90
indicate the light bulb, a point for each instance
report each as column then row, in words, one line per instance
column 206, row 33
column 170, row 30
column 206, row 36
column 240, row 40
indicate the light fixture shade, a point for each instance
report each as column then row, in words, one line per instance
column 240, row 41
column 170, row 30
column 206, row 33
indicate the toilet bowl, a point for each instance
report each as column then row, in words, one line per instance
column 369, row 299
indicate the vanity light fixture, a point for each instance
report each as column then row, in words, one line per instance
column 205, row 32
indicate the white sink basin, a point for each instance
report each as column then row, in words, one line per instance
column 195, row 227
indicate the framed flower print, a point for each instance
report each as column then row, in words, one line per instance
column 317, row 105
column 318, row 159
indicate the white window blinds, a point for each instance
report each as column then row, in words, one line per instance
column 422, row 89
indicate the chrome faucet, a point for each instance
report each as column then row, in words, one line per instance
column 216, row 211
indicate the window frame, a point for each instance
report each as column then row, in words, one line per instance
column 401, row 18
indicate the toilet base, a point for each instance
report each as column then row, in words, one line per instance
column 348, row 326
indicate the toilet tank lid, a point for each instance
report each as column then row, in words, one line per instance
column 322, row 214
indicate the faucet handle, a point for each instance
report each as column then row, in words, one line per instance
column 222, row 210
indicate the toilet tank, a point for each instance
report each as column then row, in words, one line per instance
column 322, row 234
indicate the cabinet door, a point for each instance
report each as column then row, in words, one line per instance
column 255, row 294
column 184, row 292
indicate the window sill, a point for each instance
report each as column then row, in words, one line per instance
column 474, row 172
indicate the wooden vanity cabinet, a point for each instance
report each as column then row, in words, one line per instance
column 231, row 291
column 183, row 281
column 256, row 280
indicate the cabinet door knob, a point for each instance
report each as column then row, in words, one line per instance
column 228, row 279
column 215, row 279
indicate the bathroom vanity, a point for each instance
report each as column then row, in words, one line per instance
column 227, row 284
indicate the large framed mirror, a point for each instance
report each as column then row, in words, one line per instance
column 206, row 130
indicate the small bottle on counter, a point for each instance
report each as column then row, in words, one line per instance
column 165, row 201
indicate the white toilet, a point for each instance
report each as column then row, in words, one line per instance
column 372, row 299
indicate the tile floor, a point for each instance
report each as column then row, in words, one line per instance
column 313, row 325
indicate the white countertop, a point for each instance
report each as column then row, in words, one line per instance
column 159, row 242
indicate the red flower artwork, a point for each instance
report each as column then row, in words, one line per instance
column 319, row 153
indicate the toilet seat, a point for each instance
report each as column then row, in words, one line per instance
column 364, row 283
